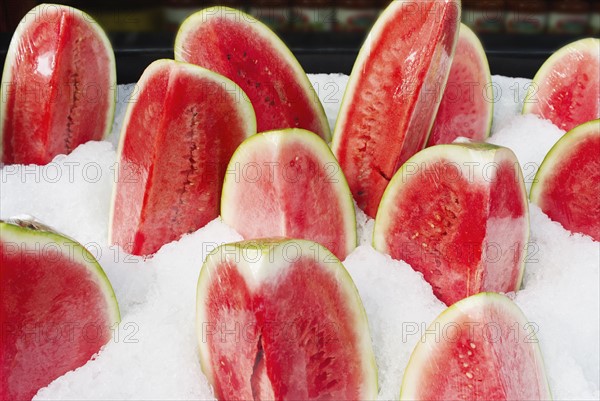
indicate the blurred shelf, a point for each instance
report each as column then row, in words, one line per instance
column 510, row 55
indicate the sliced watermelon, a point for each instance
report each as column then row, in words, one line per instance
column 282, row 319
column 481, row 348
column 566, row 89
column 287, row 183
column 459, row 215
column 176, row 141
column 246, row 51
column 465, row 110
column 57, row 307
column 567, row 184
column 57, row 86
column 393, row 94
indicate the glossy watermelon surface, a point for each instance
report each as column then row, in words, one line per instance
column 281, row 319
column 393, row 94
column 246, row 51
column 567, row 185
column 57, row 308
column 59, row 84
column 176, row 142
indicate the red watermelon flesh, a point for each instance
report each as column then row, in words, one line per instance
column 176, row 142
column 281, row 319
column 59, row 76
column 57, row 308
column 393, row 94
column 459, row 215
column 243, row 49
column 567, row 185
column 566, row 89
column 288, row 184
column 478, row 349
column 465, row 111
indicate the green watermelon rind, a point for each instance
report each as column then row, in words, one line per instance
column 420, row 355
column 70, row 249
column 582, row 45
column 13, row 52
column 557, row 155
column 259, row 28
column 272, row 263
column 244, row 107
column 472, row 151
column 468, row 34
column 320, row 149
column 363, row 55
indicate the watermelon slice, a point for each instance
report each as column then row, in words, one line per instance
column 282, row 319
column 566, row 89
column 287, row 183
column 567, row 184
column 393, row 94
column 57, row 86
column 57, row 307
column 246, row 51
column 176, row 141
column 465, row 111
column 481, row 348
column 459, row 215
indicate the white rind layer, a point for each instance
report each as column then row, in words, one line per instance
column 254, row 27
column 276, row 140
column 558, row 154
column 588, row 45
column 263, row 261
column 473, row 161
column 33, row 240
column 473, row 306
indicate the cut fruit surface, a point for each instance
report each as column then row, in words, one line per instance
column 58, row 85
column 287, row 183
column 246, row 51
column 566, row 89
column 393, row 94
column 459, row 215
column 481, row 348
column 465, row 109
column 176, row 141
column 567, row 184
column 57, row 308
column 282, row 319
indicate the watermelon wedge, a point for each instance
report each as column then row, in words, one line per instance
column 567, row 184
column 57, row 85
column 57, row 307
column 176, row 141
column 566, row 89
column 393, row 94
column 246, row 51
column 481, row 348
column 465, row 111
column 282, row 319
column 459, row 215
column 287, row 183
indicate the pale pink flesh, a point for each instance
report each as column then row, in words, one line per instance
column 288, row 190
column 483, row 355
column 569, row 93
column 291, row 338
column 465, row 237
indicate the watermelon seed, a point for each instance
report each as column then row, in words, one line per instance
column 469, row 375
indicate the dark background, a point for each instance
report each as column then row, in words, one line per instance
column 140, row 31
